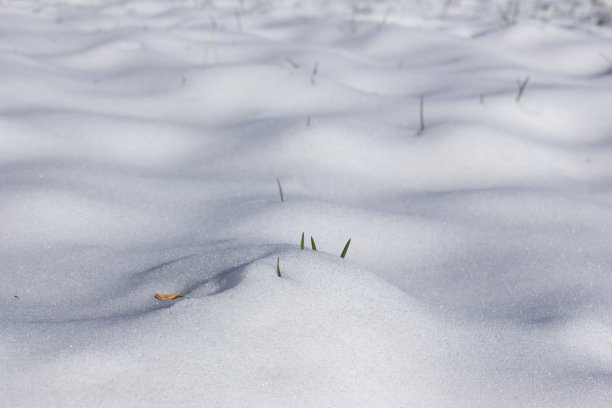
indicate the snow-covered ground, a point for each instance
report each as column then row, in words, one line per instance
column 140, row 146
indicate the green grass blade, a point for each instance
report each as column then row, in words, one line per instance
column 302, row 243
column 278, row 267
column 294, row 64
column 421, row 114
column 314, row 73
column 314, row 247
column 521, row 88
column 280, row 190
column 345, row 248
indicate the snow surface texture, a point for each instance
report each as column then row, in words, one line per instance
column 140, row 142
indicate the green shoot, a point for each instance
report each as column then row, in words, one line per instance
column 345, row 248
column 421, row 114
column 278, row 267
column 293, row 64
column 482, row 99
column 521, row 88
column 314, row 73
column 302, row 243
column 314, row 247
column 280, row 190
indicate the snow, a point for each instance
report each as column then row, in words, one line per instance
column 140, row 143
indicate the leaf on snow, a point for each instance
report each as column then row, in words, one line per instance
column 165, row 296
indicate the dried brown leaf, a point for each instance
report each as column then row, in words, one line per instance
column 165, row 296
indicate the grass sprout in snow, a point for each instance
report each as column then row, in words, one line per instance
column 521, row 88
column 421, row 114
column 313, row 75
column 293, row 64
column 346, row 247
column 280, row 190
column 314, row 246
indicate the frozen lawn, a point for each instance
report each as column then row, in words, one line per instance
column 140, row 143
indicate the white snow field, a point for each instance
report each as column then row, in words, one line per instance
column 140, row 146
